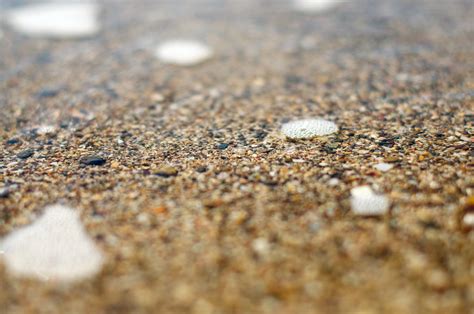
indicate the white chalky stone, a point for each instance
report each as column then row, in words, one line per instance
column 468, row 220
column 383, row 166
column 56, row 19
column 314, row 6
column 364, row 202
column 183, row 52
column 54, row 247
column 308, row 128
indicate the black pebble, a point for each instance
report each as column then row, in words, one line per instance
column 222, row 146
column 47, row 93
column 26, row 153
column 201, row 169
column 13, row 141
column 93, row 161
column 4, row 192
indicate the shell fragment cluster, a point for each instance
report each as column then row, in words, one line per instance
column 54, row 247
column 308, row 128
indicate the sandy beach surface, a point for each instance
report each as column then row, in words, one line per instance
column 197, row 201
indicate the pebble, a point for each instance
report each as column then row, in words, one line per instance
column 55, row 20
column 4, row 192
column 308, row 128
column 222, row 146
column 314, row 6
column 364, row 202
column 45, row 129
column 13, row 141
column 183, row 52
column 201, row 169
column 93, row 161
column 54, row 247
column 383, row 166
column 166, row 171
column 27, row 153
column 468, row 220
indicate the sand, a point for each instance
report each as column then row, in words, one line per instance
column 184, row 180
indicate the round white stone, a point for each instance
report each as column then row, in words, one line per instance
column 56, row 19
column 364, row 202
column 54, row 247
column 308, row 128
column 183, row 52
column 383, row 166
column 314, row 6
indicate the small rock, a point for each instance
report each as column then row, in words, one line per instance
column 55, row 20
column 166, row 171
column 93, row 161
column 26, row 153
column 13, row 141
column 222, row 146
column 308, row 128
column 314, row 6
column 383, row 166
column 201, row 169
column 47, row 93
column 364, row 202
column 183, row 52
column 4, row 192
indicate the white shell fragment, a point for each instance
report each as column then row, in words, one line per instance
column 54, row 247
column 383, row 166
column 56, row 19
column 314, row 6
column 183, row 52
column 364, row 202
column 308, row 128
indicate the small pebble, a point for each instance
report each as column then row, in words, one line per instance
column 93, row 161
column 166, row 171
column 383, row 166
column 308, row 128
column 201, row 169
column 183, row 52
column 364, row 202
column 27, row 153
column 54, row 247
column 13, row 141
column 55, row 20
column 45, row 129
column 222, row 146
column 4, row 192
column 468, row 220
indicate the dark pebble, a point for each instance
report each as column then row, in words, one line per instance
column 4, row 192
column 47, row 93
column 26, row 153
column 93, row 161
column 201, row 169
column 222, row 146
column 13, row 141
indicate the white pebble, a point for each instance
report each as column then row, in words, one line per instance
column 56, row 19
column 364, row 202
column 314, row 6
column 54, row 247
column 383, row 166
column 261, row 246
column 308, row 128
column 468, row 220
column 46, row 129
column 183, row 52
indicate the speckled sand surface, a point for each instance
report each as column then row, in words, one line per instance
column 183, row 179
